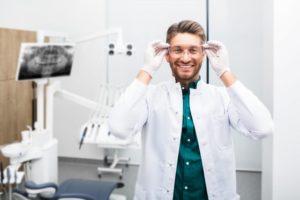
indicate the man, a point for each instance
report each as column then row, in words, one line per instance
column 186, row 141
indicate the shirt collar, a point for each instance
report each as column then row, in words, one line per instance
column 192, row 84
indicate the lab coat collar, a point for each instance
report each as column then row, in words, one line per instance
column 201, row 86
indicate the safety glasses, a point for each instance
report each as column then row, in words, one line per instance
column 178, row 51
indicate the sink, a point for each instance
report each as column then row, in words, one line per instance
column 15, row 150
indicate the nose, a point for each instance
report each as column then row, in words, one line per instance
column 185, row 56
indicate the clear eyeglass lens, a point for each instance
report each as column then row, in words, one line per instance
column 179, row 51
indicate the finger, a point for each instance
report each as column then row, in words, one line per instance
column 161, row 51
column 215, row 43
column 161, row 45
column 213, row 46
column 161, row 48
column 210, row 54
column 213, row 49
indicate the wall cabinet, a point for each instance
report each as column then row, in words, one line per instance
column 16, row 110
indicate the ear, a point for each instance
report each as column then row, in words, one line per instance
column 167, row 57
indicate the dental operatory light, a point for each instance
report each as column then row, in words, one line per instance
column 117, row 49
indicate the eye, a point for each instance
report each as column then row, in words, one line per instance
column 193, row 50
column 177, row 51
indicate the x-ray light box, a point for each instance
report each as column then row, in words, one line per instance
column 50, row 60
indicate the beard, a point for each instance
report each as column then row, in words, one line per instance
column 185, row 72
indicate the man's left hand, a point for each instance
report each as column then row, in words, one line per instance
column 218, row 56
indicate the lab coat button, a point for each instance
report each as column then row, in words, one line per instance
column 186, row 187
column 188, row 140
column 188, row 118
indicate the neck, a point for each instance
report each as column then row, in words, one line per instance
column 185, row 83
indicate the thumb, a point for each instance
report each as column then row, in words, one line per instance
column 210, row 54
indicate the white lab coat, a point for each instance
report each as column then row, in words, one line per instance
column 158, row 111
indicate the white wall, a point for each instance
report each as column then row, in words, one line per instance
column 238, row 24
column 267, row 147
column 285, row 169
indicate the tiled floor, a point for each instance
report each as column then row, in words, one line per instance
column 248, row 183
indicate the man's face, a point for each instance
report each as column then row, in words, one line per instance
column 185, row 57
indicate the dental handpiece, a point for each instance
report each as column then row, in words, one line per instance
column 8, row 175
column 16, row 176
column 82, row 137
column 1, row 172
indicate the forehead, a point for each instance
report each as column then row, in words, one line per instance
column 185, row 39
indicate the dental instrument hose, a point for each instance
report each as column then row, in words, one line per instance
column 82, row 137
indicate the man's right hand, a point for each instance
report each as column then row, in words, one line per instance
column 154, row 55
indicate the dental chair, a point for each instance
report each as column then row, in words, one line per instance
column 72, row 189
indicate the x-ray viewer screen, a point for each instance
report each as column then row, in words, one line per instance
column 44, row 60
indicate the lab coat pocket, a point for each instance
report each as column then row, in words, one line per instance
column 221, row 131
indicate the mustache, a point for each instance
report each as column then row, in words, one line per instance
column 184, row 63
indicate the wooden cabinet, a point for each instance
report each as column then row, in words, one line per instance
column 16, row 111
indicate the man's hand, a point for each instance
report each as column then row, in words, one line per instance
column 153, row 56
column 218, row 56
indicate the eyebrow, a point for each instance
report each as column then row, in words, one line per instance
column 179, row 46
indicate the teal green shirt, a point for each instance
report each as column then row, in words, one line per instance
column 189, row 181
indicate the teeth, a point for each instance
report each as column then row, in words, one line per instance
column 185, row 66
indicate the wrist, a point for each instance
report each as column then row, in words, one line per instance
column 220, row 72
column 228, row 78
column 144, row 76
column 148, row 70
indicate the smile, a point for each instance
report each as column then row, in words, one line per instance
column 185, row 66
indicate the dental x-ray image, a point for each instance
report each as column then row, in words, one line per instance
column 45, row 60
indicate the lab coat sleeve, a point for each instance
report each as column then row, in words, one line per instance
column 130, row 111
column 247, row 113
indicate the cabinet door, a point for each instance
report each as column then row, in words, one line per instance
column 15, row 97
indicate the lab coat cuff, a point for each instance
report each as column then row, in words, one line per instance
column 138, row 87
column 234, row 89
